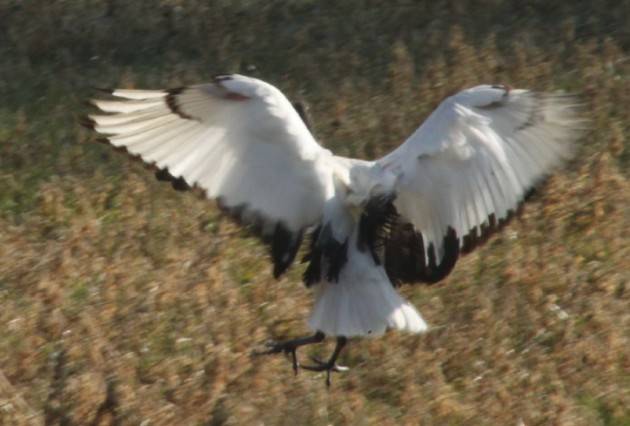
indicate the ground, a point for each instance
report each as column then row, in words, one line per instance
column 124, row 302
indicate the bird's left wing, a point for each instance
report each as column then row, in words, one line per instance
column 238, row 139
column 468, row 166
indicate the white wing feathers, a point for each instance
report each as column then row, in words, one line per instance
column 464, row 170
column 476, row 156
column 238, row 138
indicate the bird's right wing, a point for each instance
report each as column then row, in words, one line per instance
column 238, row 139
column 471, row 164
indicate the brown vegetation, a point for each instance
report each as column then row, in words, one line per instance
column 124, row 302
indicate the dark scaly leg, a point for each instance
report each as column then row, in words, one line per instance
column 291, row 346
column 330, row 365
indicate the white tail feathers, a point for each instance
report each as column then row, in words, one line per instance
column 362, row 303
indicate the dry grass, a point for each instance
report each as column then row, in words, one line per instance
column 123, row 302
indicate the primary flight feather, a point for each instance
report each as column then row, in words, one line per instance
column 404, row 218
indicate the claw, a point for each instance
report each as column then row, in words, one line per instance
column 272, row 349
column 324, row 366
column 275, row 348
column 294, row 362
column 289, row 347
column 330, row 365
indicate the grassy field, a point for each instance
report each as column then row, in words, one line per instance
column 124, row 302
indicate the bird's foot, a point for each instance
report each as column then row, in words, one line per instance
column 331, row 365
column 328, row 367
column 289, row 347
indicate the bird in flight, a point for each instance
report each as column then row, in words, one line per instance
column 368, row 226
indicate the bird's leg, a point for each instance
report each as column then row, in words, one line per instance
column 330, row 365
column 291, row 346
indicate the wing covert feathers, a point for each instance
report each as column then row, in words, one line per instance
column 237, row 139
column 471, row 164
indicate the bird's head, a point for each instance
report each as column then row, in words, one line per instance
column 367, row 181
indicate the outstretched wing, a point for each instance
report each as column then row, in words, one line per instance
column 468, row 167
column 238, row 139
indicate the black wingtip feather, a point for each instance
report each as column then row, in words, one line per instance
column 176, row 90
column 102, row 140
column 89, row 104
column 173, row 104
column 375, row 223
column 313, row 272
column 405, row 259
column 178, row 183
column 163, row 175
column 104, row 90
column 86, row 122
column 283, row 242
column 284, row 247
column 451, row 253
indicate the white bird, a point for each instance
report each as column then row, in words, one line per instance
column 373, row 225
